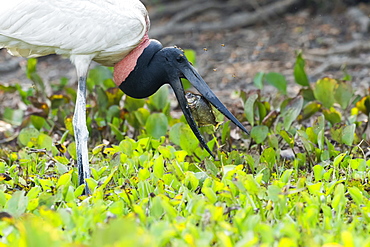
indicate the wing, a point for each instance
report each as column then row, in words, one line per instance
column 40, row 27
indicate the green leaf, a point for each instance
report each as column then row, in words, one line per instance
column 259, row 133
column 324, row 91
column 211, row 168
column 277, row 80
column 72, row 150
column 291, row 111
column 27, row 136
column 158, row 167
column 287, row 138
column 310, row 109
column 348, row 134
column 258, row 80
column 318, row 171
column 182, row 135
column 156, row 125
column 286, row 176
column 45, row 141
column 356, row 195
column 132, row 104
column 142, row 115
column 299, row 73
column 343, row 94
column 65, row 179
column 332, row 115
column 269, row 156
column 13, row 116
column 210, row 194
column 159, row 100
column 249, row 108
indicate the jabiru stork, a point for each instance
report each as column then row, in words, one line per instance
column 112, row 33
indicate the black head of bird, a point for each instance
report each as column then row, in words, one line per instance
column 157, row 66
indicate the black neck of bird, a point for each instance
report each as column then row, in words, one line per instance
column 148, row 75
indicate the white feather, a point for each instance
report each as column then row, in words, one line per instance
column 106, row 30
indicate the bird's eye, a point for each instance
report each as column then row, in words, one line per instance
column 180, row 58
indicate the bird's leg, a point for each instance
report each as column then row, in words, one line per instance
column 81, row 133
column 82, row 63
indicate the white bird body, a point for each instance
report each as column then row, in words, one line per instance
column 106, row 30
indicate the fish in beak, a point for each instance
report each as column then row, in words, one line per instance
column 158, row 66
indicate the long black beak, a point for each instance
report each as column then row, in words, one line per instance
column 197, row 81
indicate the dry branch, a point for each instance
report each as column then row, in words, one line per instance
column 336, row 62
column 234, row 21
column 352, row 47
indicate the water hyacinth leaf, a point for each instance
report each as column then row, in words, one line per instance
column 269, row 156
column 113, row 111
column 158, row 167
column 142, row 115
column 183, row 136
column 159, row 100
column 263, row 108
column 278, row 81
column 287, row 138
column 132, row 104
column 258, row 80
column 363, row 105
column 44, row 141
column 249, row 108
column 210, row 194
column 114, row 95
column 211, row 168
column 318, row 172
column 270, row 118
column 285, row 177
column 33, row 75
column 338, row 159
column 300, row 75
column 225, row 131
column 192, row 180
column 156, row 125
column 17, row 204
column 332, row 115
column 259, row 133
column 307, row 94
column 132, row 120
column 72, row 150
column 58, row 100
column 291, row 111
column 304, row 138
column 102, row 99
column 348, row 134
column 324, row 91
column 115, row 131
column 13, row 116
column 343, row 94
column 100, row 73
column 65, row 179
column 310, row 109
column 68, row 123
column 37, row 121
column 356, row 195
column 28, row 135
column 339, row 199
